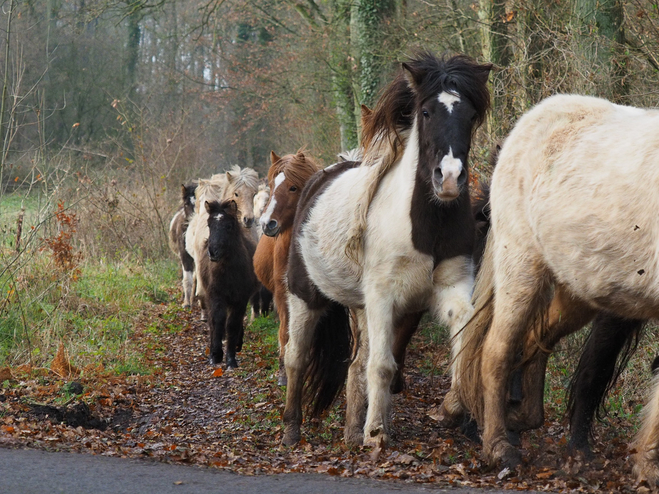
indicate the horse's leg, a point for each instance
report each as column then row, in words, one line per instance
column 281, row 295
column 255, row 302
column 646, row 460
column 380, row 367
column 405, row 328
column 217, row 319
column 302, row 323
column 524, row 287
column 187, row 265
column 234, row 330
column 595, row 371
column 266, row 300
column 356, row 387
column 453, row 283
column 526, row 390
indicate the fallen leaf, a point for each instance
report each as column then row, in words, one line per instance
column 218, row 372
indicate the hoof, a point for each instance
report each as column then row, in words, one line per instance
column 376, row 437
column 187, row 306
column 469, row 428
column 450, row 419
column 216, row 360
column 291, row 436
column 398, row 383
column 353, row 437
column 203, row 317
column 578, row 448
column 232, row 364
column 505, row 455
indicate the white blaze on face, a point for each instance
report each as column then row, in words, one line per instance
column 451, row 166
column 219, row 216
column 265, row 219
column 192, row 200
column 449, row 99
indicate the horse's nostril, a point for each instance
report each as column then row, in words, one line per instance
column 272, row 225
column 438, row 175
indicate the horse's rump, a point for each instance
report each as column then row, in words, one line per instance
column 574, row 184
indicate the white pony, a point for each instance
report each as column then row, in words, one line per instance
column 574, row 217
column 387, row 238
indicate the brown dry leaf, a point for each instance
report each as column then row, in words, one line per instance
column 218, row 372
column 5, row 374
column 61, row 365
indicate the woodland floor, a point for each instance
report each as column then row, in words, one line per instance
column 185, row 412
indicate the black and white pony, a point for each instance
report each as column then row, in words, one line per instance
column 177, row 228
column 386, row 238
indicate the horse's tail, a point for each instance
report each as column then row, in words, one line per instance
column 468, row 365
column 617, row 338
column 329, row 360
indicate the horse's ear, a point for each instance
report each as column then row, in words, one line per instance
column 273, row 157
column 232, row 206
column 366, row 113
column 413, row 75
column 184, row 191
column 209, row 208
column 300, row 155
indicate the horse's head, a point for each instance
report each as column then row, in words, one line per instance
column 261, row 199
column 241, row 187
column 188, row 197
column 450, row 99
column 223, row 228
column 287, row 177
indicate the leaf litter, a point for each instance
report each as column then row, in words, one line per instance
column 188, row 412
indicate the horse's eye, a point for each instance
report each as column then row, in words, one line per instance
column 236, row 194
column 293, row 188
column 425, row 113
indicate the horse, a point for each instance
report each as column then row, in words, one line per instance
column 237, row 184
column 177, row 229
column 260, row 201
column 573, row 227
column 287, row 177
column 608, row 347
column 226, row 272
column 262, row 299
column 386, row 238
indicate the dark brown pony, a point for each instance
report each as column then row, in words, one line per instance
column 177, row 228
column 287, row 177
column 227, row 274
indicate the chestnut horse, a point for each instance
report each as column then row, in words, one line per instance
column 287, row 177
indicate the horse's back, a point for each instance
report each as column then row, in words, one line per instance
column 320, row 234
column 575, row 184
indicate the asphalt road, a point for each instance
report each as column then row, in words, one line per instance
column 24, row 471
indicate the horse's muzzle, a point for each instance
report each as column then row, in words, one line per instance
column 271, row 228
column 248, row 222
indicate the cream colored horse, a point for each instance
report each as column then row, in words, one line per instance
column 574, row 218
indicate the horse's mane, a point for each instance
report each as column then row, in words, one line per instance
column 386, row 129
column 356, row 154
column 208, row 190
column 263, row 187
column 297, row 168
column 239, row 177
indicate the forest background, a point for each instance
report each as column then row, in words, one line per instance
column 107, row 106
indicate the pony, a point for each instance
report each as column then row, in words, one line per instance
column 177, row 229
column 260, row 200
column 237, row 184
column 226, row 272
column 385, row 238
column 287, row 177
column 573, row 229
column 262, row 299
